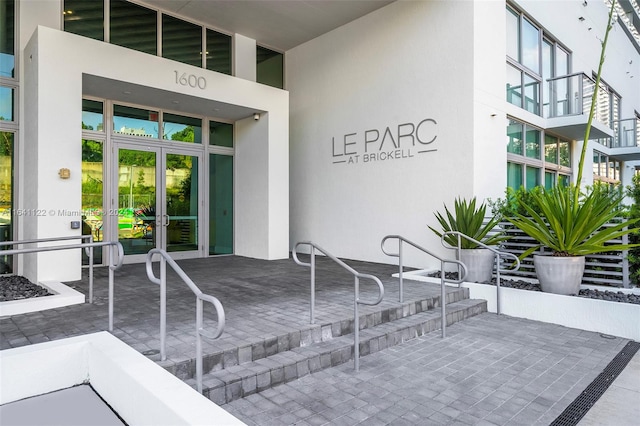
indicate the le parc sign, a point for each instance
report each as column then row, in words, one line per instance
column 405, row 140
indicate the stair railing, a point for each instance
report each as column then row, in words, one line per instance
column 116, row 257
column 200, row 297
column 356, row 301
column 497, row 252
column 443, row 279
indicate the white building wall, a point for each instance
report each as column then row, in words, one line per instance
column 402, row 64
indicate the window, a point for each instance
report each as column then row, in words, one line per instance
column 7, row 39
column 218, row 52
column 181, row 41
column 135, row 121
column 7, row 104
column 6, row 195
column 92, row 115
column 133, row 26
column 221, row 134
column 85, row 18
column 181, row 128
column 270, row 67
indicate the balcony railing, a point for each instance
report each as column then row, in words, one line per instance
column 571, row 95
column 627, row 133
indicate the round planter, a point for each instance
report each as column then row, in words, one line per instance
column 479, row 263
column 558, row 274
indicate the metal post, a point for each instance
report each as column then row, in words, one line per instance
column 313, row 284
column 163, row 308
column 401, row 295
column 498, row 284
column 90, row 270
column 199, row 326
column 443, row 301
column 111, row 274
column 356, row 327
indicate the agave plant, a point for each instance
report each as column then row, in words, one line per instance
column 468, row 220
column 571, row 224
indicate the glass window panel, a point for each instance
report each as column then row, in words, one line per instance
column 221, row 134
column 547, row 72
column 7, row 38
column 180, row 128
column 270, row 67
column 133, row 26
column 562, row 62
column 92, row 115
column 514, row 86
column 565, row 154
column 514, row 175
column 514, row 137
column 92, row 195
column 531, row 94
column 135, row 121
column 533, row 177
column 530, row 46
column 611, row 170
column 563, row 180
column 181, row 187
column 181, row 41
column 513, row 34
column 218, row 52
column 85, row 18
column 596, row 163
column 7, row 105
column 220, row 204
column 6, row 196
column 549, row 180
column 533, row 143
column 550, row 149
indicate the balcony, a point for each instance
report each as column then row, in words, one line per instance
column 625, row 145
column 567, row 104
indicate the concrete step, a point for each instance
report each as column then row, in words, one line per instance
column 238, row 381
column 312, row 333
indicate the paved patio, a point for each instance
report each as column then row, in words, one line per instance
column 489, row 370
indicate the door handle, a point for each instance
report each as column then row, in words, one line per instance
column 166, row 220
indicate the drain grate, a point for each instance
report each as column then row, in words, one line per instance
column 579, row 407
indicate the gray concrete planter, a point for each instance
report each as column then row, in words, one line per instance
column 558, row 274
column 479, row 263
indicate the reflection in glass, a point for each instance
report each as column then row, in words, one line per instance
column 6, row 103
column 92, row 195
column 270, row 66
column 563, row 180
column 181, row 188
column 550, row 149
column 136, row 200
column 221, row 134
column 513, row 34
column 218, row 52
column 514, row 175
column 85, row 18
column 181, row 128
column 531, row 95
column 133, row 26
column 181, row 41
column 565, row 153
column 530, row 46
column 92, row 115
column 220, row 204
column 533, row 177
column 514, row 137
column 533, row 143
column 6, row 197
column 135, row 121
column 7, row 39
column 514, row 86
column 549, row 180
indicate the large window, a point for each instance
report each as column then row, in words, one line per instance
column 270, row 67
column 7, row 39
column 181, row 41
column 6, row 196
column 218, row 52
column 133, row 26
column 85, row 18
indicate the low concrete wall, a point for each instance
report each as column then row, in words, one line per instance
column 62, row 296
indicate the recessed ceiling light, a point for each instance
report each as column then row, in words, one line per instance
column 175, row 102
column 126, row 92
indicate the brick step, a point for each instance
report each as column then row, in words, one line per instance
column 312, row 333
column 236, row 382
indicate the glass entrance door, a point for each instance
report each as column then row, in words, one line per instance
column 158, row 196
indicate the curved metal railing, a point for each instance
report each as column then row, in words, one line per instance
column 443, row 278
column 357, row 275
column 497, row 252
column 200, row 297
column 116, row 251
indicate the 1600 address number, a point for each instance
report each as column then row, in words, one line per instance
column 190, row 80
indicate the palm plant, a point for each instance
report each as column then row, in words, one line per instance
column 468, row 220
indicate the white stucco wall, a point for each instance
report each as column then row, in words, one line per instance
column 401, row 64
column 54, row 64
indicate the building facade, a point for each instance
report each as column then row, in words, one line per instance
column 199, row 139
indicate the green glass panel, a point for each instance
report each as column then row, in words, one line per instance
column 181, row 128
column 220, row 204
column 92, row 115
column 565, row 154
column 6, row 197
column 550, row 149
column 221, row 134
column 181, row 41
column 133, row 26
column 135, row 121
column 92, row 195
column 181, row 188
column 136, row 200
column 549, row 180
column 218, row 52
column 85, row 18
column 533, row 143
column 7, row 38
column 514, row 137
column 270, row 67
column 533, row 177
column 563, row 180
column 7, row 103
column 514, row 175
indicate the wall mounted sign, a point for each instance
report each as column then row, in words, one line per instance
column 406, row 140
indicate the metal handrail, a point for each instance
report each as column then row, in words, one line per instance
column 443, row 279
column 498, row 253
column 200, row 297
column 114, row 245
column 357, row 275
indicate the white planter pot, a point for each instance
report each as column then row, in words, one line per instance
column 479, row 263
column 558, row 274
